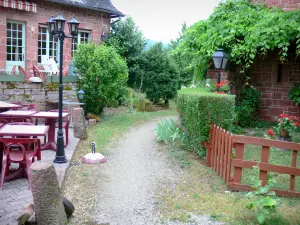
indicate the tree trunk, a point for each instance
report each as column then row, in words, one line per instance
column 47, row 200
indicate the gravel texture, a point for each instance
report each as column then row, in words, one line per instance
column 133, row 176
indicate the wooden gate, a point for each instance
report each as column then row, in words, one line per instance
column 219, row 157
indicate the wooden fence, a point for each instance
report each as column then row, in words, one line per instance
column 219, row 157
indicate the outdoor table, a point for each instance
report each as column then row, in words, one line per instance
column 52, row 118
column 17, row 113
column 20, row 130
column 5, row 106
column 68, row 105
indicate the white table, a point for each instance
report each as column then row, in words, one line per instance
column 6, row 105
column 17, row 113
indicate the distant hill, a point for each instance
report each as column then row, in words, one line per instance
column 150, row 43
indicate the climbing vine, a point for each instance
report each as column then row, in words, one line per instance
column 245, row 31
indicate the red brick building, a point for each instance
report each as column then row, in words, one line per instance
column 24, row 36
column 273, row 78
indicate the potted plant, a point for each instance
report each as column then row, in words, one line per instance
column 286, row 124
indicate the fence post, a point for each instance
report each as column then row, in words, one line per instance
column 239, row 154
column 209, row 145
column 292, row 177
column 265, row 150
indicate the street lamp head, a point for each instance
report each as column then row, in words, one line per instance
column 59, row 24
column 51, row 25
column 80, row 94
column 220, row 59
column 73, row 27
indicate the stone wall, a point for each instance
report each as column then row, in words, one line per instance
column 274, row 80
column 39, row 94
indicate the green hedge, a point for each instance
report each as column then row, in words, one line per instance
column 198, row 110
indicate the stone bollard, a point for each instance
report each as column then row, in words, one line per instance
column 79, row 123
column 47, row 200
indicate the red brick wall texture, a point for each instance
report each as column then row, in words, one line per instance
column 284, row 4
column 94, row 21
column 265, row 75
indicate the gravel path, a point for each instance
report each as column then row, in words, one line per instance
column 134, row 173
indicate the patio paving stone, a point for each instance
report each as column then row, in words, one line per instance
column 15, row 195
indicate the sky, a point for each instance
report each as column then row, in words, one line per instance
column 161, row 20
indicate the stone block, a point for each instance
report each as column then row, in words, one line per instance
column 92, row 121
column 79, row 123
column 4, row 97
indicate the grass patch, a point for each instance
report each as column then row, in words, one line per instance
column 202, row 192
column 83, row 182
column 193, row 90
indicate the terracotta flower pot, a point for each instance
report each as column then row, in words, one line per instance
column 284, row 133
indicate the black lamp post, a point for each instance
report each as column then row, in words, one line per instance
column 56, row 27
column 220, row 59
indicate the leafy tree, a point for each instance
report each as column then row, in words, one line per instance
column 160, row 74
column 186, row 70
column 245, row 31
column 129, row 41
column 103, row 75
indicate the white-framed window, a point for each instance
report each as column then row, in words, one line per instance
column 83, row 37
column 47, row 45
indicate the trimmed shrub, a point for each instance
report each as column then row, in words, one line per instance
column 198, row 110
column 103, row 75
column 246, row 109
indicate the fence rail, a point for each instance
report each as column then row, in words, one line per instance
column 219, row 157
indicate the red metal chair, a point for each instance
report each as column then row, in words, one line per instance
column 25, row 153
column 65, row 124
column 13, row 71
column 22, row 71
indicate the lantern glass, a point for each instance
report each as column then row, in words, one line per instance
column 51, row 25
column 220, row 59
column 59, row 24
column 80, row 94
column 73, row 27
column 224, row 63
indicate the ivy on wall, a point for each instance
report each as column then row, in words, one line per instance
column 244, row 30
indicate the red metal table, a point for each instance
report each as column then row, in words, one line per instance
column 52, row 118
column 17, row 114
column 20, row 130
column 5, row 106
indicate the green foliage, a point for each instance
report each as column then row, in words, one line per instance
column 294, row 95
column 246, row 110
column 127, row 38
column 198, row 110
column 168, row 132
column 244, row 30
column 160, row 74
column 186, row 70
column 103, row 74
column 263, row 200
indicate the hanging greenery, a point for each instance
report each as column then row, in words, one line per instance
column 244, row 30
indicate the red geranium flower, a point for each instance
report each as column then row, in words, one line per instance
column 281, row 115
column 297, row 124
column 271, row 132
